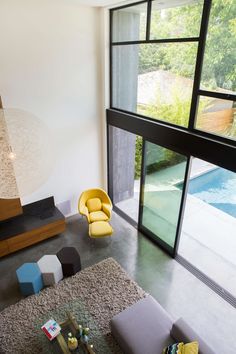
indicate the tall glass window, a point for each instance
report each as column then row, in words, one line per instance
column 155, row 80
column 219, row 72
column 216, row 114
column 180, row 20
column 173, row 83
column 129, row 23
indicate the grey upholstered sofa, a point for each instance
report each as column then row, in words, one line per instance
column 146, row 328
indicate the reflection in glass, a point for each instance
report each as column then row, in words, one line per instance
column 125, row 153
column 217, row 116
column 155, row 80
column 129, row 23
column 164, row 169
column 218, row 72
column 169, row 20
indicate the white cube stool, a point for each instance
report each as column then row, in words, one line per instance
column 51, row 269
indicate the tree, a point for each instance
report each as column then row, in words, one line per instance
column 138, row 156
column 219, row 69
column 176, row 112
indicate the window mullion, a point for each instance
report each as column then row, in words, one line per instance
column 149, row 11
column 199, row 62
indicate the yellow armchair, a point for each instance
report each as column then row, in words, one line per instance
column 96, row 205
column 107, row 208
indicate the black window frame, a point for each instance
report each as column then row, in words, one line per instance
column 197, row 91
column 207, row 146
column 188, row 141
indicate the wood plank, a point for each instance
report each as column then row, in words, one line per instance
column 217, row 122
column 4, row 250
column 34, row 236
column 89, row 349
column 10, row 208
column 62, row 344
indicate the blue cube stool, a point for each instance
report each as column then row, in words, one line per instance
column 29, row 278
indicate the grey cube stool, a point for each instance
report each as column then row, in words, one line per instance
column 51, row 269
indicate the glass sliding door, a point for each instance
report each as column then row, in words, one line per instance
column 125, row 156
column 208, row 239
column 162, row 194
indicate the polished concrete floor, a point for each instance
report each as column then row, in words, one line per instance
column 178, row 291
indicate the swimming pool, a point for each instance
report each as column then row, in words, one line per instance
column 217, row 188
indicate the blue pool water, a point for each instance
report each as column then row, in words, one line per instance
column 217, row 188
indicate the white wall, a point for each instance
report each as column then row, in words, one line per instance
column 50, row 65
column 108, row 3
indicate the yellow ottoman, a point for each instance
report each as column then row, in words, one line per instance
column 100, row 229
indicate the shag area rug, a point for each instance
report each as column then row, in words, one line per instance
column 93, row 295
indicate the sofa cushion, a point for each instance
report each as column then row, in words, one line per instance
column 94, row 204
column 143, row 328
column 98, row 216
column 182, row 332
